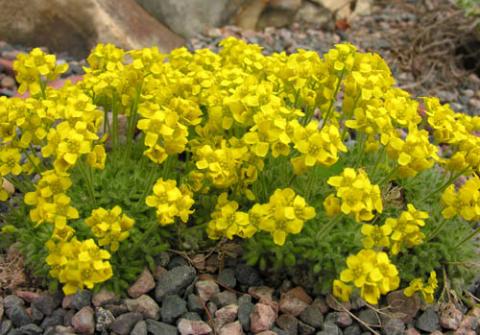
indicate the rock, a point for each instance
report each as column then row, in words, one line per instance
column 140, row 328
column 144, row 284
column 262, row 317
column 30, row 329
column 288, row 5
column 46, row 304
column 295, row 301
column 8, row 82
column 190, row 316
column 226, row 278
column 177, row 261
column 245, row 308
column 206, row 289
column 55, row 319
column 83, row 321
column 104, row 297
column 17, row 313
column 159, row 271
column 288, row 323
column 362, row 8
column 469, row 322
column 304, row 329
column 267, row 332
column 173, row 281
column 35, row 314
column 404, row 308
column 370, row 317
column 249, row 14
column 12, row 300
column 193, row 327
column 117, row 309
column 352, row 330
column 67, row 318
column 428, row 321
column 225, row 315
column 247, row 275
column 81, row 299
column 394, row 327
column 190, row 17
column 450, row 316
column 194, row 303
column 162, row 259
column 144, row 305
column 262, row 293
column 172, row 307
column 104, row 319
column 336, row 305
column 78, row 25
column 277, row 18
column 341, row 319
column 6, row 325
column 232, row 328
column 212, row 308
column 224, row 298
column 160, row 328
column 313, row 14
column 27, row 296
column 2, row 309
column 330, row 329
column 124, row 323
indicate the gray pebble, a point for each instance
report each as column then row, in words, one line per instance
column 172, row 307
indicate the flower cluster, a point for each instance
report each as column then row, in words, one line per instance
column 110, row 227
column 78, row 264
column 170, row 201
column 465, row 202
column 369, row 271
column 355, row 195
column 284, row 214
column 427, row 291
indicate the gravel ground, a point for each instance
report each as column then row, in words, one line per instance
column 178, row 298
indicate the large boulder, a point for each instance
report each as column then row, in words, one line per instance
column 191, row 17
column 76, row 26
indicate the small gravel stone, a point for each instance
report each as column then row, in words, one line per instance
column 67, row 319
column 176, row 261
column 342, row 319
column 232, row 328
column 370, row 317
column 295, row 301
column 304, row 329
column 117, row 309
column 81, row 299
column 5, row 327
column 337, row 305
column 402, row 305
column 245, row 308
column 46, row 304
column 450, row 316
column 262, row 317
column 172, row 307
column 18, row 315
column 160, row 328
column 352, row 330
column 36, row 314
column 162, row 259
column 206, row 289
column 262, row 293
column 55, row 319
column 190, row 316
column 173, row 281
column 194, row 303
column 104, row 297
column 225, row 315
column 124, row 323
column 140, row 328
column 394, row 327
column 288, row 323
column 312, row 315
column 145, row 305
column 247, row 275
column 428, row 321
column 83, row 321
column 330, row 329
column 12, row 300
column 193, row 327
column 144, row 284
column 104, row 319
column 8, row 82
column 224, row 298
column 30, row 329
column 227, row 278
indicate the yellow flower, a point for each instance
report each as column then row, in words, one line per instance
column 376, row 236
column 10, row 161
column 341, row 290
column 357, row 195
column 371, row 272
column 465, row 202
column 170, row 202
column 96, row 158
column 110, row 226
column 331, row 205
column 427, row 291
